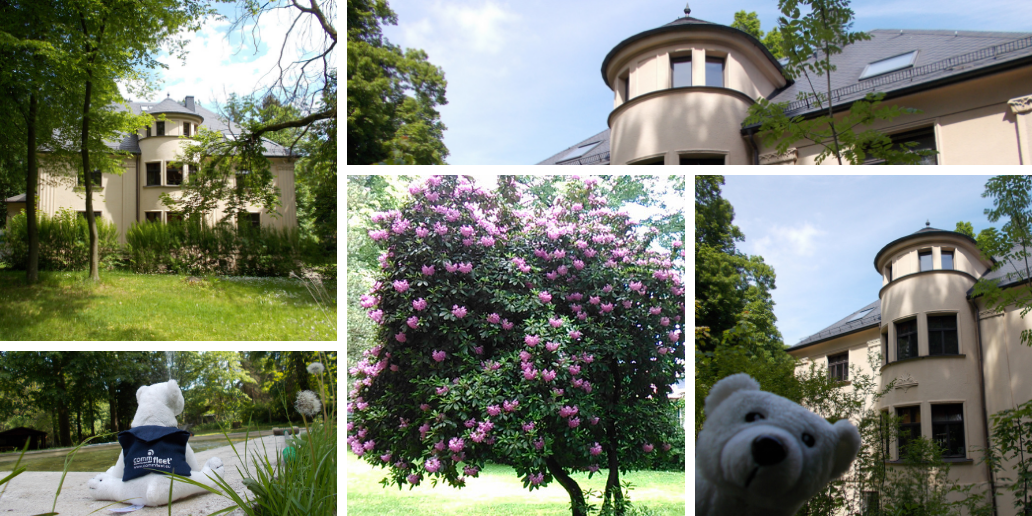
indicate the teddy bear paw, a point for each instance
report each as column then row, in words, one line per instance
column 215, row 464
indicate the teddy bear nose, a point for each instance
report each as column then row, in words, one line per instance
column 767, row 450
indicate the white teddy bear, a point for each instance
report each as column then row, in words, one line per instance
column 761, row 454
column 154, row 427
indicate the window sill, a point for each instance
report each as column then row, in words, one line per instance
column 922, row 357
column 843, row 383
column 82, row 189
column 950, row 460
column 162, row 186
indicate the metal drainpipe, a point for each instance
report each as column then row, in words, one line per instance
column 985, row 408
column 756, row 150
column 138, row 157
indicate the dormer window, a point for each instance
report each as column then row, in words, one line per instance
column 680, row 71
column 161, row 128
column 889, row 65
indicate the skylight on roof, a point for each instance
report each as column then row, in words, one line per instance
column 579, row 151
column 889, row 65
column 859, row 315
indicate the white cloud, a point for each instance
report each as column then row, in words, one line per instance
column 454, row 28
column 787, row 242
column 217, row 64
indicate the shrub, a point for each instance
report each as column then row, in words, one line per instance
column 193, row 247
column 64, row 241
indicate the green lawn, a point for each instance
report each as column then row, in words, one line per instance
column 127, row 306
column 499, row 492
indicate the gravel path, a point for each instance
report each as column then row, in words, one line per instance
column 33, row 492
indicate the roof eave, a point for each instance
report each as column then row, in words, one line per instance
column 917, row 88
column 833, row 337
column 675, row 28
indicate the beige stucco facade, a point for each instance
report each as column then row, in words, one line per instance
column 989, row 372
column 125, row 197
column 660, row 122
column 983, row 118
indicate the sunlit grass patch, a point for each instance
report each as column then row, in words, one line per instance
column 127, row 306
column 498, row 491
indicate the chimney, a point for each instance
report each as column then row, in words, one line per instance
column 190, row 103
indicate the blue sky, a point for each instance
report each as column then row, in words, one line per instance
column 524, row 78
column 821, row 233
column 220, row 61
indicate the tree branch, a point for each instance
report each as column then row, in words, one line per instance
column 315, row 10
column 301, row 122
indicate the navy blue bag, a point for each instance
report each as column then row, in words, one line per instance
column 154, row 449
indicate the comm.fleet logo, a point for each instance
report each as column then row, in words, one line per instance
column 150, row 461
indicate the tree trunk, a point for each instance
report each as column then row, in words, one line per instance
column 112, row 407
column 91, row 221
column 613, row 495
column 64, row 430
column 78, row 424
column 577, row 506
column 31, row 183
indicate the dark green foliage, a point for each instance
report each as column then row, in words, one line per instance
column 393, row 94
column 195, row 248
column 728, row 283
column 1012, row 442
column 63, row 242
column 1010, row 245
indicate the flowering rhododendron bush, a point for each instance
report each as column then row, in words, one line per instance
column 543, row 340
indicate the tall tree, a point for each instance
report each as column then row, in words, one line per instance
column 809, row 42
column 392, row 94
column 729, row 285
column 115, row 40
column 748, row 23
column 1011, row 245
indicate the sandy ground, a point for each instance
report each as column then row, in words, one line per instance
column 33, row 492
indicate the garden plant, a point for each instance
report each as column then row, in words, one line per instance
column 541, row 339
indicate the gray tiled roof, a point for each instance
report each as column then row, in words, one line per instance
column 941, row 55
column 1008, row 274
column 169, row 106
column 17, row 198
column 212, row 120
column 599, row 155
column 845, row 326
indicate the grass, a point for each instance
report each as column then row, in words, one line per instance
column 128, row 306
column 498, row 491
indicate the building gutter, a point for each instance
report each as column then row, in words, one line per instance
column 985, row 408
column 917, row 88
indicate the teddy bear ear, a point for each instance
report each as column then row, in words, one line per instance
column 847, row 447
column 728, row 386
column 139, row 392
column 175, row 397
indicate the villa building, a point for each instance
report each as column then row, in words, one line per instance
column 682, row 91
column 955, row 361
column 134, row 195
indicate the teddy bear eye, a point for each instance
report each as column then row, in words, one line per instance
column 809, row 440
column 753, row 416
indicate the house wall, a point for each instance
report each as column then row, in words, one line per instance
column 1004, row 362
column 974, row 121
column 14, row 208
column 658, row 122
